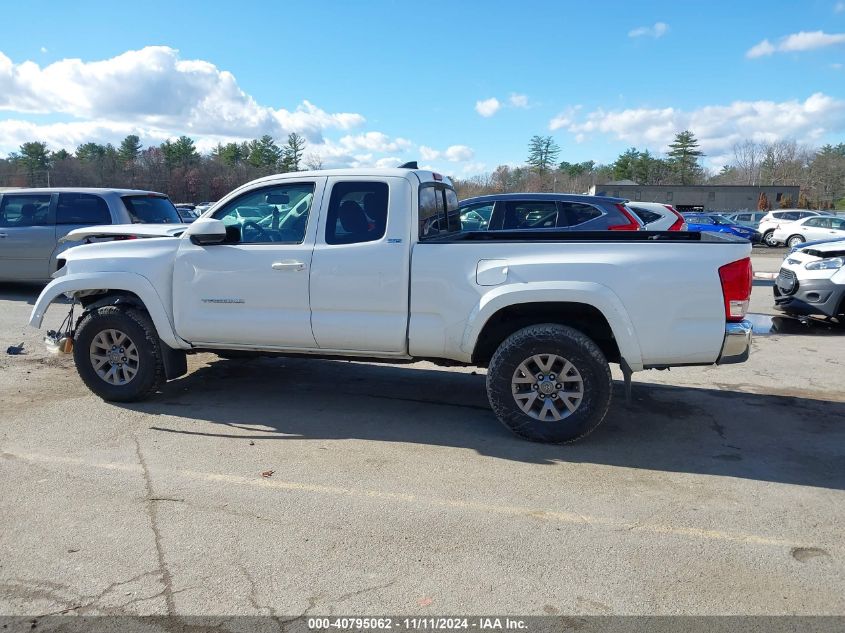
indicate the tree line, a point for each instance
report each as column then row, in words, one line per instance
column 820, row 173
column 174, row 167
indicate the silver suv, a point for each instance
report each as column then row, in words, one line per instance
column 33, row 220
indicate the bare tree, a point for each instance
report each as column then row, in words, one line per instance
column 747, row 158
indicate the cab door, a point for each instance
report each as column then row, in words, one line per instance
column 27, row 236
column 361, row 266
column 252, row 290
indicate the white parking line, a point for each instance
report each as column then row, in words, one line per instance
column 558, row 516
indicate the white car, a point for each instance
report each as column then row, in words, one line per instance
column 658, row 217
column 820, row 227
column 357, row 268
column 773, row 219
column 812, row 280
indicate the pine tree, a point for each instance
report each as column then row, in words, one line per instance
column 264, row 152
column 293, row 152
column 684, row 155
column 35, row 160
column 542, row 153
column 129, row 150
column 763, row 202
column 786, row 202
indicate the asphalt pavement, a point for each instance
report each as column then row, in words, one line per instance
column 295, row 487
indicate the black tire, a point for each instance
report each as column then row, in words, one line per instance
column 794, row 240
column 138, row 327
column 569, row 344
column 768, row 236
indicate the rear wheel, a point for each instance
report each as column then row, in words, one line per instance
column 549, row 383
column 118, row 355
column 794, row 241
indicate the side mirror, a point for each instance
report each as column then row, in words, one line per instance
column 205, row 231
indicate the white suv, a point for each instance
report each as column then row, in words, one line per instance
column 773, row 219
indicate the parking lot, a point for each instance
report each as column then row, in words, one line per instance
column 291, row 487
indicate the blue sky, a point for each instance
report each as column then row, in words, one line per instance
column 461, row 86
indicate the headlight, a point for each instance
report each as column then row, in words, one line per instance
column 826, row 264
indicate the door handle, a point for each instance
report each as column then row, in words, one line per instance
column 289, row 265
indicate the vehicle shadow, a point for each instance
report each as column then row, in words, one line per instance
column 20, row 291
column 716, row 431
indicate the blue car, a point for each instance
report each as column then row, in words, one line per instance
column 716, row 223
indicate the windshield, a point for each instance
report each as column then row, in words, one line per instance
column 148, row 209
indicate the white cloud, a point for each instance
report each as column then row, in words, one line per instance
column 658, row 29
column 43, row 49
column 564, row 119
column 487, row 107
column 151, row 90
column 836, row 66
column 374, row 142
column 839, row 7
column 518, row 100
column 428, row 153
column 801, row 41
column 458, row 153
column 718, row 127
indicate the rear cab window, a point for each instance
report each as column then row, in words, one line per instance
column 151, row 209
column 439, row 214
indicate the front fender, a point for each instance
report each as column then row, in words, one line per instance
column 593, row 294
column 129, row 282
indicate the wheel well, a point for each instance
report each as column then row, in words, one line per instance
column 91, row 299
column 581, row 316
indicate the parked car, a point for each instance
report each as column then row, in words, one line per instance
column 186, row 212
column 712, row 222
column 750, row 219
column 812, row 280
column 33, row 221
column 544, row 311
column 658, row 217
column 818, row 227
column 202, row 207
column 773, row 219
column 547, row 211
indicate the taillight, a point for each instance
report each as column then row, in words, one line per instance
column 680, row 224
column 631, row 225
column 736, row 280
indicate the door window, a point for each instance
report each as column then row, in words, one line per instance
column 476, row 217
column 814, row 222
column 25, row 210
column 274, row 214
column 82, row 208
column 357, row 212
column 530, row 215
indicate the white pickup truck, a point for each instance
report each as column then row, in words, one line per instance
column 372, row 264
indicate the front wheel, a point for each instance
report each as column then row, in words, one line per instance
column 769, row 238
column 118, row 355
column 549, row 383
column 794, row 241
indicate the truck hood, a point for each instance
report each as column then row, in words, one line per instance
column 125, row 230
